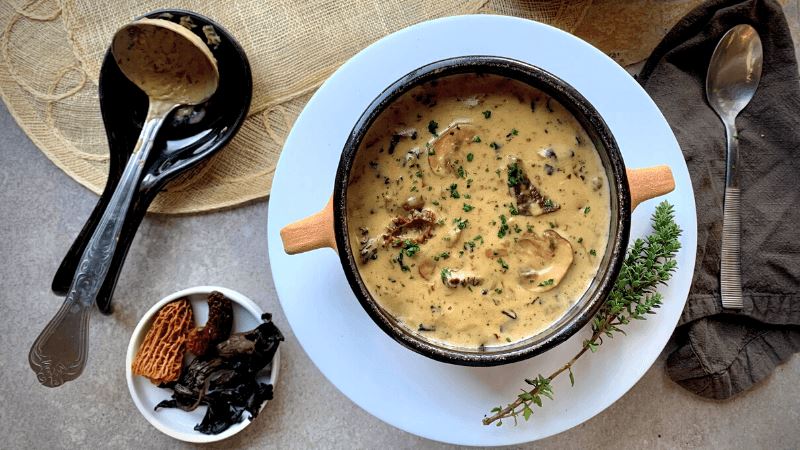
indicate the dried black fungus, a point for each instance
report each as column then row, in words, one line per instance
column 225, row 379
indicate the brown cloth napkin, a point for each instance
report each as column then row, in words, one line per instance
column 722, row 352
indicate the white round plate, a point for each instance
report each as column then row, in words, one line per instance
column 175, row 422
column 428, row 398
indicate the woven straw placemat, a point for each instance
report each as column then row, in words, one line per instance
column 51, row 51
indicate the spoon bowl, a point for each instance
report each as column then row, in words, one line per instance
column 166, row 61
column 734, row 71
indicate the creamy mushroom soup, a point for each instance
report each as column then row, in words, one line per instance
column 478, row 210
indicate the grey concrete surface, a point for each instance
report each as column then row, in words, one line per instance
column 42, row 209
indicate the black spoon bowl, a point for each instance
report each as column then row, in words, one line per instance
column 189, row 137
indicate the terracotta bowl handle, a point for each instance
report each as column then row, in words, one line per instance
column 649, row 182
column 313, row 232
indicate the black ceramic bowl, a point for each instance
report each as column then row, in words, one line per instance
column 329, row 227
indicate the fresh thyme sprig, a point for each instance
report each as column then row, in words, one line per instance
column 649, row 262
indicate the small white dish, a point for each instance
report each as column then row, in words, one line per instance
column 145, row 395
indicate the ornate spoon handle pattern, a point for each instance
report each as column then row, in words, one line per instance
column 59, row 353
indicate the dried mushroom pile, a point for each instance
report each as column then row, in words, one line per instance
column 223, row 374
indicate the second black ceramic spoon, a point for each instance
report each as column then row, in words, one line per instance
column 185, row 140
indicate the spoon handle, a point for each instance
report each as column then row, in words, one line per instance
column 59, row 353
column 730, row 260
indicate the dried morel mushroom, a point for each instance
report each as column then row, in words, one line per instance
column 216, row 329
column 160, row 357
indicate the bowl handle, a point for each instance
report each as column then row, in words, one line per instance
column 313, row 232
column 649, row 182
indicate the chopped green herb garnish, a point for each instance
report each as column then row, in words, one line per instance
column 470, row 156
column 487, row 114
column 468, row 208
column 454, row 191
column 419, row 173
column 498, row 290
column 435, row 202
column 478, row 238
column 548, row 203
column 517, row 229
column 494, row 146
column 476, row 138
column 445, row 274
column 503, row 227
column 586, row 210
column 461, row 173
column 410, row 248
column 514, row 210
column 592, row 252
column 461, row 224
column 432, row 126
column 443, row 255
column 514, row 131
column 515, row 174
column 580, row 239
column 548, row 282
column 502, row 263
column 530, row 228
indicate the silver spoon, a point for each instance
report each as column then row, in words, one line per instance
column 173, row 67
column 733, row 76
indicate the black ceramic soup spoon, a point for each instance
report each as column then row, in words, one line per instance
column 184, row 142
column 174, row 67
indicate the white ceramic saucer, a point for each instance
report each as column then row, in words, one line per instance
column 431, row 399
column 174, row 422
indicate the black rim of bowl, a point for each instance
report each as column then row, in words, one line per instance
column 578, row 314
